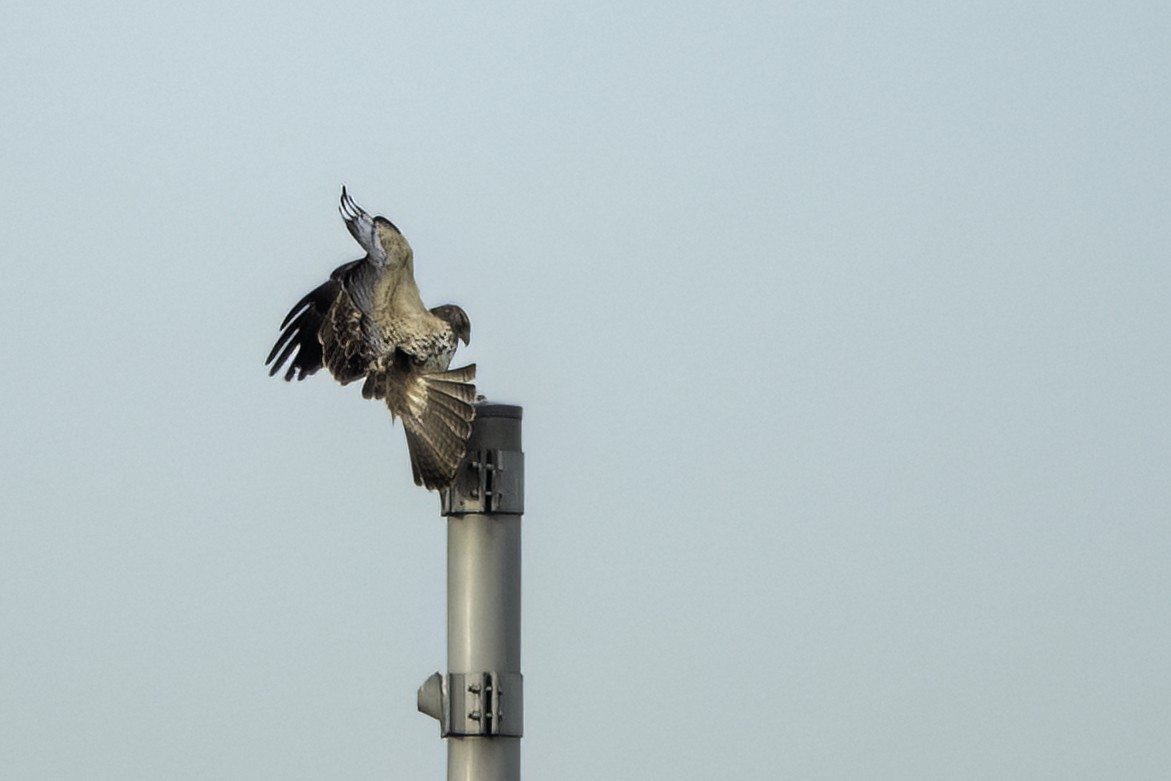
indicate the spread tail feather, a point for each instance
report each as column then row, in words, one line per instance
column 437, row 417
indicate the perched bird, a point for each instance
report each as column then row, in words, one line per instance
column 369, row 322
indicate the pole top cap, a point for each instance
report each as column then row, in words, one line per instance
column 495, row 409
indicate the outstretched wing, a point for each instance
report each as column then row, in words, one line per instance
column 436, row 410
column 347, row 351
column 298, row 340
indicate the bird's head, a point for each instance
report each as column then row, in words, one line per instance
column 458, row 319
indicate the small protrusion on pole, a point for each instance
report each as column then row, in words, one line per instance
column 431, row 699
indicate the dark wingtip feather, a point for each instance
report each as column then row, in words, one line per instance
column 298, row 343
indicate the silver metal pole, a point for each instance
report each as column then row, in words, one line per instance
column 480, row 702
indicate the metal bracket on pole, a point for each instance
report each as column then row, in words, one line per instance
column 490, row 481
column 479, row 704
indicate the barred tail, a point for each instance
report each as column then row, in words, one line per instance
column 437, row 418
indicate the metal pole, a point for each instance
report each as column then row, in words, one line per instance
column 480, row 702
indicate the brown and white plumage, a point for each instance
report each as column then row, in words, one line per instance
column 368, row 321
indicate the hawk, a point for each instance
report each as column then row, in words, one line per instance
column 368, row 322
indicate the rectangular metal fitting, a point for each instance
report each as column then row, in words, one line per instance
column 476, row 704
column 488, row 481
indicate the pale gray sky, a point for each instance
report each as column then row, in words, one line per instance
column 840, row 328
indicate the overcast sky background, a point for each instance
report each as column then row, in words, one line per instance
column 840, row 328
